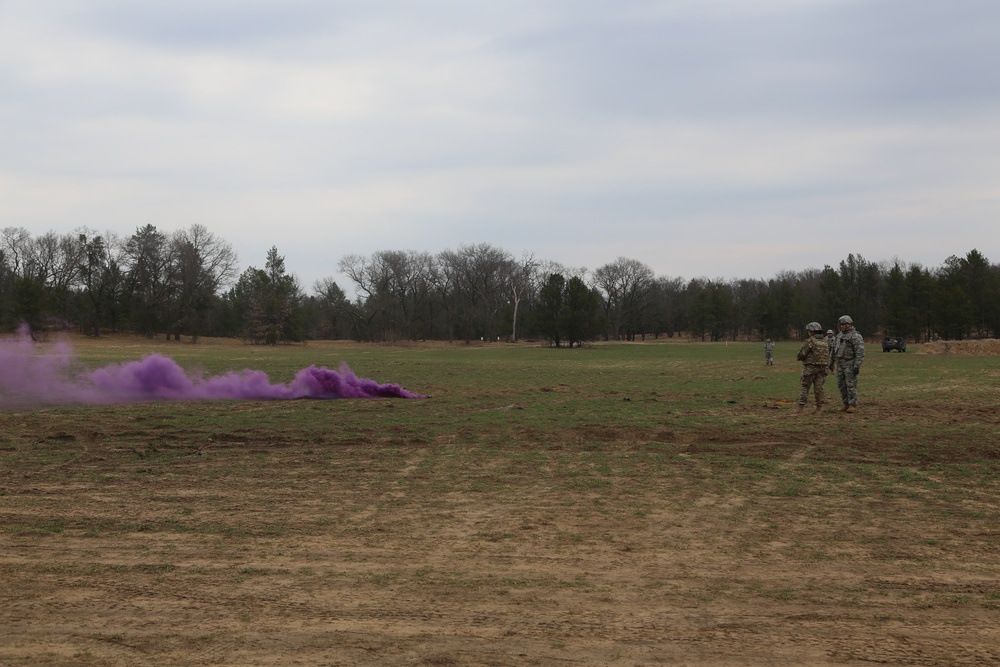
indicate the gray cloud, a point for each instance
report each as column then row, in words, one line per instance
column 697, row 136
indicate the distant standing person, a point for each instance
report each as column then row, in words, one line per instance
column 768, row 352
column 814, row 355
column 848, row 357
column 831, row 341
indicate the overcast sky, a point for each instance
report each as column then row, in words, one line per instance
column 714, row 138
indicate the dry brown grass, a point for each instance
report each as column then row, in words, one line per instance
column 989, row 347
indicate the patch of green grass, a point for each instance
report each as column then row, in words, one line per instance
column 46, row 526
column 522, row 395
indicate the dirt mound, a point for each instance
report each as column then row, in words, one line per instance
column 989, row 347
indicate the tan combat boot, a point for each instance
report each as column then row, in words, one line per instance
column 843, row 408
column 819, row 409
column 800, row 408
column 850, row 408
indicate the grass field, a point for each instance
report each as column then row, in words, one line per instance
column 632, row 504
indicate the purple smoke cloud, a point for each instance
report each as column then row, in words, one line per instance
column 29, row 377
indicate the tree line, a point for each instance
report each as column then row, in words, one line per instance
column 188, row 283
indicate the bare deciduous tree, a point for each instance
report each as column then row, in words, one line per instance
column 201, row 263
column 625, row 283
column 478, row 276
column 521, row 285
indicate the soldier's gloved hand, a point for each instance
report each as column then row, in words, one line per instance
column 857, row 370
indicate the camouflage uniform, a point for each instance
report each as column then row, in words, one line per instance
column 849, row 355
column 768, row 352
column 814, row 355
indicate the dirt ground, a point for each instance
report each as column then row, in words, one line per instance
column 138, row 543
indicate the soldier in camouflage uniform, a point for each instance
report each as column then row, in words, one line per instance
column 831, row 340
column 814, row 355
column 848, row 356
column 768, row 352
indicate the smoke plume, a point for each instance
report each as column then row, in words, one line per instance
column 51, row 376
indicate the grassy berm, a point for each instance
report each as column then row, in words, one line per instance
column 657, row 503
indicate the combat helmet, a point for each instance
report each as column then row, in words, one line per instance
column 845, row 319
column 814, row 326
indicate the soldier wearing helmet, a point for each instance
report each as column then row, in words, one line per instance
column 848, row 357
column 814, row 355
